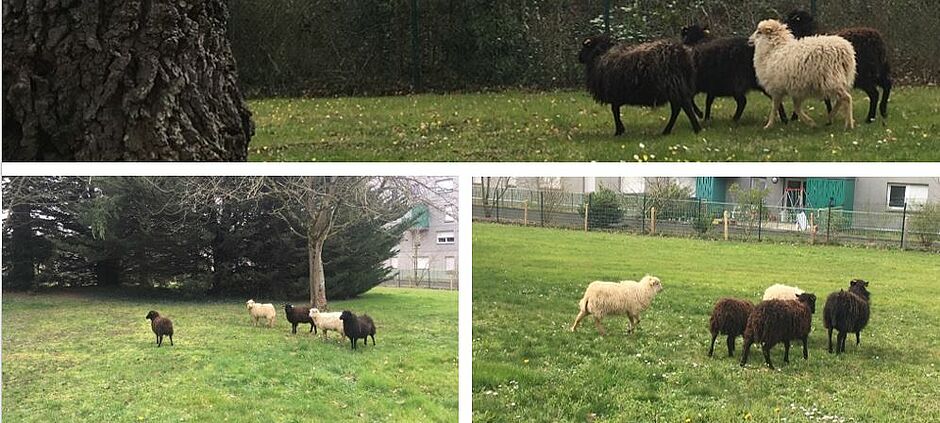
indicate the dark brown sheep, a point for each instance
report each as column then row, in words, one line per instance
column 298, row 315
column 649, row 74
column 873, row 69
column 729, row 317
column 847, row 311
column 357, row 327
column 161, row 326
column 776, row 321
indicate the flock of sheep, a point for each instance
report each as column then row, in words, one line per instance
column 345, row 323
column 781, row 59
column 784, row 315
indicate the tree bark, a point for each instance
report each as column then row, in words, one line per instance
column 317, row 277
column 113, row 80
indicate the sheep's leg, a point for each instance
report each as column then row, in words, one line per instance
column 618, row 124
column 872, row 102
column 687, row 108
column 711, row 349
column 577, row 320
column 777, row 103
column 786, row 351
column 766, row 349
column 708, row 106
column 840, row 348
column 741, row 101
column 672, row 116
column 311, row 328
column 830, row 340
column 159, row 340
column 783, row 114
column 698, row 112
column 798, row 108
column 805, row 350
column 599, row 326
column 746, row 350
column 886, row 91
column 171, row 340
column 373, row 339
column 849, row 119
column 731, row 345
column 293, row 328
column 858, row 338
column 828, row 108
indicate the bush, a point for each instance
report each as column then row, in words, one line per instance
column 670, row 199
column 604, row 209
column 925, row 224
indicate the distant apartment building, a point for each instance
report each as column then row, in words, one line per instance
column 427, row 254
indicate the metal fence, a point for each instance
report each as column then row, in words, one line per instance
column 428, row 279
column 645, row 214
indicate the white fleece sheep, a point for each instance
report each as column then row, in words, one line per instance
column 613, row 298
column 811, row 67
column 781, row 292
column 261, row 311
column 327, row 322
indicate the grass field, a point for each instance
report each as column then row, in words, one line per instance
column 80, row 357
column 569, row 126
column 527, row 366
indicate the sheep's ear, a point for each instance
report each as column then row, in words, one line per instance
column 854, row 282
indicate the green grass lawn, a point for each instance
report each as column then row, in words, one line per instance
column 527, row 366
column 570, row 126
column 80, row 357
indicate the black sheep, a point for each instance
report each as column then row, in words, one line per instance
column 298, row 315
column 161, row 326
column 357, row 327
column 724, row 67
column 775, row 321
column 649, row 74
column 847, row 311
column 871, row 57
column 729, row 317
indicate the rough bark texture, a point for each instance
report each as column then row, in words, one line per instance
column 120, row 80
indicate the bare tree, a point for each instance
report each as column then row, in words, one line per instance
column 492, row 191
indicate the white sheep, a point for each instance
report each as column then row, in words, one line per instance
column 781, row 292
column 259, row 311
column 818, row 66
column 327, row 321
column 625, row 297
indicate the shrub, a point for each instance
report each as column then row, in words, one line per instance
column 925, row 224
column 604, row 209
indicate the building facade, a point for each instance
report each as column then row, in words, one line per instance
column 427, row 255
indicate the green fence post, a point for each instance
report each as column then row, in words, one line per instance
column 497, row 206
column 541, row 210
column 588, row 210
column 643, row 215
column 903, row 223
column 828, row 220
column 760, row 219
column 415, row 49
column 607, row 16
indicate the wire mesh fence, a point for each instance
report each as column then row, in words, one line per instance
column 424, row 278
column 646, row 214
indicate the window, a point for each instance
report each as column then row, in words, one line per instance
column 449, row 213
column 450, row 263
column 424, row 263
column 445, row 237
column 899, row 195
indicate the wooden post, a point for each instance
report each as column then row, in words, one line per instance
column 652, row 220
column 525, row 213
column 725, row 220
column 812, row 227
column 585, row 217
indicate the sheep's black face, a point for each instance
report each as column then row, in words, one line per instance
column 694, row 33
column 346, row 315
column 809, row 300
column 593, row 47
column 801, row 23
column 152, row 315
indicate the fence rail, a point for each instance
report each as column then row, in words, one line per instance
column 428, row 279
column 641, row 213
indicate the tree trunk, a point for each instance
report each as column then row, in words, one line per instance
column 107, row 80
column 317, row 277
column 107, row 272
column 22, row 266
